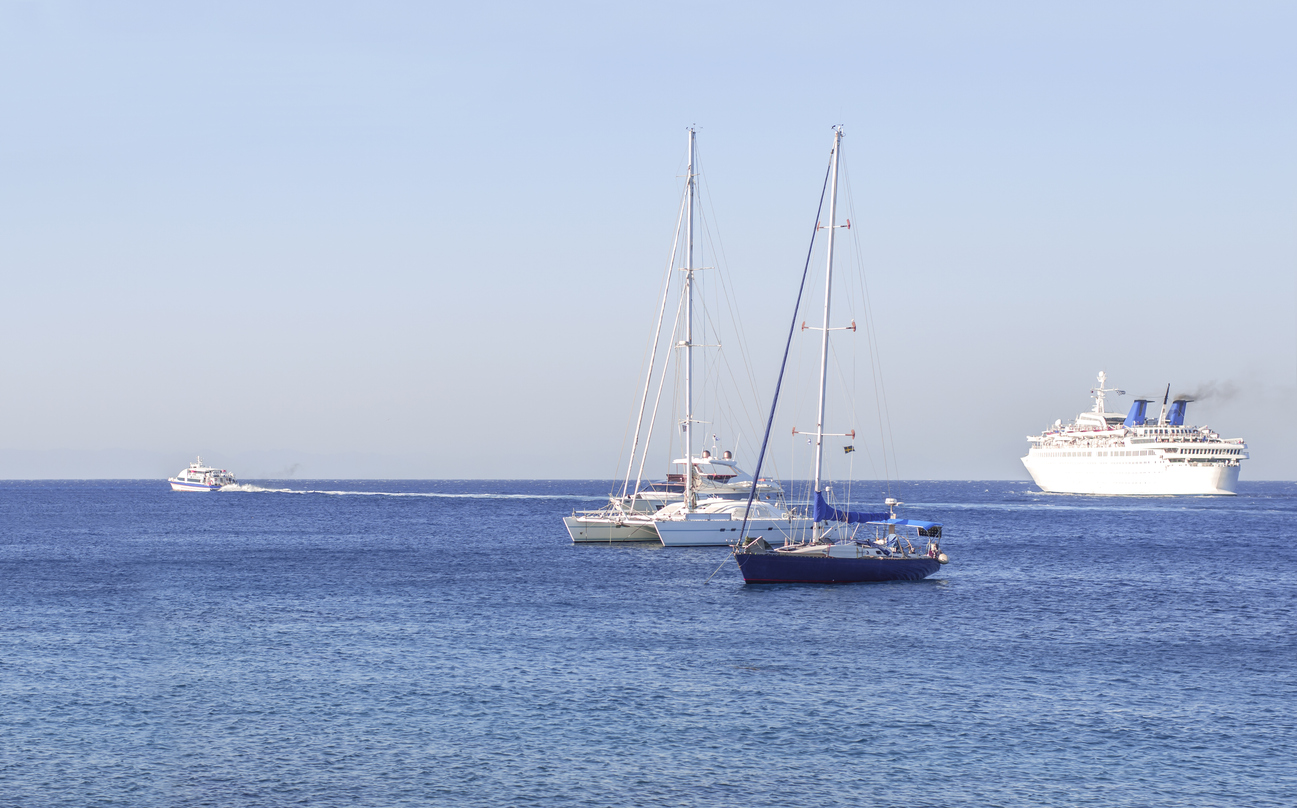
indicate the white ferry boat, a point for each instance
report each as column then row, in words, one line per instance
column 1112, row 454
column 201, row 478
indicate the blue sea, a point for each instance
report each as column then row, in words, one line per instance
column 442, row 643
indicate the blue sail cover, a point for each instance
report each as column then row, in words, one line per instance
column 825, row 513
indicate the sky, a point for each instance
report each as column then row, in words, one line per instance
column 412, row 240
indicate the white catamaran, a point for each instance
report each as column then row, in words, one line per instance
column 705, row 514
column 705, row 483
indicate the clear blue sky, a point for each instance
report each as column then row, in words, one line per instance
column 420, row 240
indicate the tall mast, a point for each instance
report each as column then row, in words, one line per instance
column 690, row 494
column 828, row 290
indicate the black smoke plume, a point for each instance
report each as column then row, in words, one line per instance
column 1222, row 391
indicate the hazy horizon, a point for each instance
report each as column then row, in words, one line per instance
column 100, row 466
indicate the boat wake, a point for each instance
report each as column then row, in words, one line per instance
column 257, row 489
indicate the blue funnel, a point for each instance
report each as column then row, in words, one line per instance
column 1137, row 409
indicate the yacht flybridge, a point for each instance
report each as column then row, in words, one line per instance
column 1111, row 454
column 201, row 478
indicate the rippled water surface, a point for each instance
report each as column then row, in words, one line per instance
column 268, row 647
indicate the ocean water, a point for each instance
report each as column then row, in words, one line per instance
column 441, row 643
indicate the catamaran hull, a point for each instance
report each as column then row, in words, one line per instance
column 603, row 531
column 781, row 568
column 1148, row 477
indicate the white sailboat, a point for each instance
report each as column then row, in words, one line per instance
column 706, row 477
column 706, row 516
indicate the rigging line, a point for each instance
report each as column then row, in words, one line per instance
column 851, row 471
column 886, row 410
column 797, row 405
column 675, row 413
column 792, row 329
column 837, row 365
column 731, row 300
column 855, row 403
column 714, row 399
column 657, row 335
column 657, row 400
column 853, row 298
column 875, row 358
column 748, row 421
column 842, row 378
column 869, row 454
column 723, row 292
column 726, row 399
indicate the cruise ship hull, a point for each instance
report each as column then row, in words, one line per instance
column 1131, row 478
column 602, row 531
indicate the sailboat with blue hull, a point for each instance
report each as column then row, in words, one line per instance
column 784, row 568
column 880, row 548
column 842, row 546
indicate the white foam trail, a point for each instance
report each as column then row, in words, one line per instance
column 256, row 489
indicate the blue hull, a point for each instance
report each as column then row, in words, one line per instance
column 781, row 568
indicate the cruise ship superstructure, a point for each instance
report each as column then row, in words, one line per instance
column 1109, row 453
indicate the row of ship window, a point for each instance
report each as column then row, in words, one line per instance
column 1142, row 453
column 1123, row 453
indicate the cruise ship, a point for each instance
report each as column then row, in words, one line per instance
column 1112, row 454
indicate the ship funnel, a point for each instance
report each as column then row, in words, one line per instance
column 1177, row 412
column 1138, row 408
